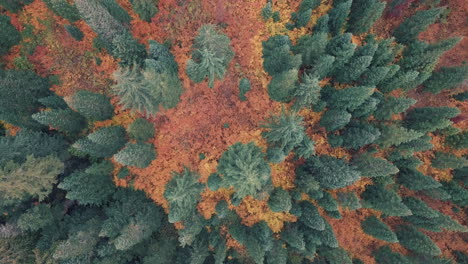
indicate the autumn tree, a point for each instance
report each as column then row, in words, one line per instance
column 211, row 54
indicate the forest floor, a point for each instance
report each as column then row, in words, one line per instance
column 207, row 121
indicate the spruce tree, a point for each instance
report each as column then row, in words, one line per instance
column 392, row 105
column 428, row 119
column 415, row 180
column 141, row 130
column 282, row 87
column 385, row 200
column 146, row 9
column 10, row 36
column 322, row 24
column 322, row 66
column 394, row 135
column 349, row 200
column 370, row 166
column 333, row 119
column 244, row 87
column 358, row 135
column 138, row 155
column 36, row 218
column 311, row 47
column 293, row 236
column 420, row 144
column 444, row 160
column 277, row 57
column 102, row 143
column 378, row 229
column 280, row 200
column 363, row 15
column 385, row 255
column 353, row 69
column 349, row 98
column 303, row 14
column 93, row 106
column 338, row 16
column 372, row 76
column 414, row 240
column 64, row 9
column 419, row 208
column 415, row 24
column 341, row 48
column 366, row 109
column 386, row 52
column 74, row 32
column 458, row 141
column 307, row 92
column 67, row 121
column 310, row 217
column 398, row 80
column 446, row 79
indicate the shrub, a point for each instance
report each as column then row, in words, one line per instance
column 139, row 155
column 93, row 106
column 243, row 167
column 378, row 229
column 141, row 130
column 146, row 9
column 10, row 36
column 210, row 56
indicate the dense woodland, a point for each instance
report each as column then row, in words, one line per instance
column 193, row 131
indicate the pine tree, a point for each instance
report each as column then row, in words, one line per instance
column 342, row 48
column 458, row 141
column 146, row 9
column 366, row 109
column 210, row 56
column 413, row 25
column 393, row 105
column 64, row 9
column 243, row 167
column 138, row 155
column 36, row 218
column 370, row 166
column 311, row 47
column 182, row 193
column 92, row 186
column 311, row 217
column 334, row 173
column 378, row 229
column 277, row 57
column 293, row 236
column 322, row 66
column 141, row 130
column 419, row 208
column 385, row 255
column 74, row 32
column 333, row 119
column 373, row 75
column 349, row 200
column 363, row 15
column 444, row 160
column 102, row 143
column 446, row 79
column 322, row 24
column 54, row 102
column 394, row 135
column 67, row 121
column 307, row 92
column 34, row 178
column 338, row 16
column 244, row 87
column 416, row 241
column 280, row 200
column 358, row 135
column 328, row 203
column 305, row 149
column 428, row 119
column 398, row 80
column 93, row 106
column 386, row 52
column 302, row 17
column 385, row 200
column 126, row 48
column 10, row 36
column 420, row 144
column 349, row 98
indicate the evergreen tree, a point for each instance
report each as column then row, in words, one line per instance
column 394, row 135
column 363, row 15
column 456, row 193
column 380, row 198
column 458, row 141
column 64, row 9
column 182, row 193
column 311, row 217
column 67, row 121
column 126, row 48
column 19, row 94
column 322, row 24
column 93, row 106
column 302, row 17
column 385, row 255
column 243, row 167
column 420, row 144
column 13, row 5
column 322, row 66
column 277, row 57
column 386, row 52
column 398, row 80
column 102, row 143
column 419, row 208
column 74, row 32
column 146, row 9
column 307, row 92
column 428, row 119
column 332, row 173
column 283, row 85
column 358, row 135
column 378, row 229
column 10, row 36
column 353, row 69
column 370, row 166
column 54, row 102
column 116, row 11
column 138, row 155
column 338, row 16
column 32, row 179
column 342, row 48
column 267, row 11
column 278, row 254
column 141, row 130
column 416, row 241
column 329, row 203
column 444, row 160
column 334, row 256
column 445, row 79
column 349, row 98
column 92, row 186
column 280, row 200
column 392, row 105
column 349, row 200
column 372, row 76
column 244, row 87
column 293, row 236
column 415, row 24
column 463, row 96
column 210, row 56
column 311, row 47
column 333, row 119
column 367, row 108
column 436, row 224
column 36, row 218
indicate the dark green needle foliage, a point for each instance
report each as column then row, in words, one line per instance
column 146, row 9
column 330, row 205
column 267, row 11
column 385, row 200
column 458, row 141
column 210, row 56
column 349, row 200
column 414, row 240
column 116, row 11
column 74, row 32
column 394, row 135
column 311, row 217
column 332, row 173
column 374, row 75
column 36, row 218
column 92, row 186
column 293, row 236
column 243, row 167
column 446, row 79
column 13, row 5
column 338, row 16
column 419, row 208
column 397, row 80
column 138, row 155
column 63, row 120
column 282, row 87
column 363, row 15
column 463, row 96
column 445, row 160
column 358, row 135
column 64, row 9
column 437, row 223
column 341, row 48
column 333, row 119
column 366, row 109
column 428, row 119
column 277, row 56
column 141, row 130
column 334, row 256
column 307, row 92
column 349, row 98
column 244, row 87
column 54, row 102
column 378, row 229
column 102, row 143
column 385, row 255
column 93, row 106
column 353, row 69
column 371, row 166
column 392, row 105
column 214, row 181
column 126, row 48
column 311, row 47
column 280, row 200
column 10, row 36
column 182, row 193
column 303, row 14
column 413, row 25
column 305, row 149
